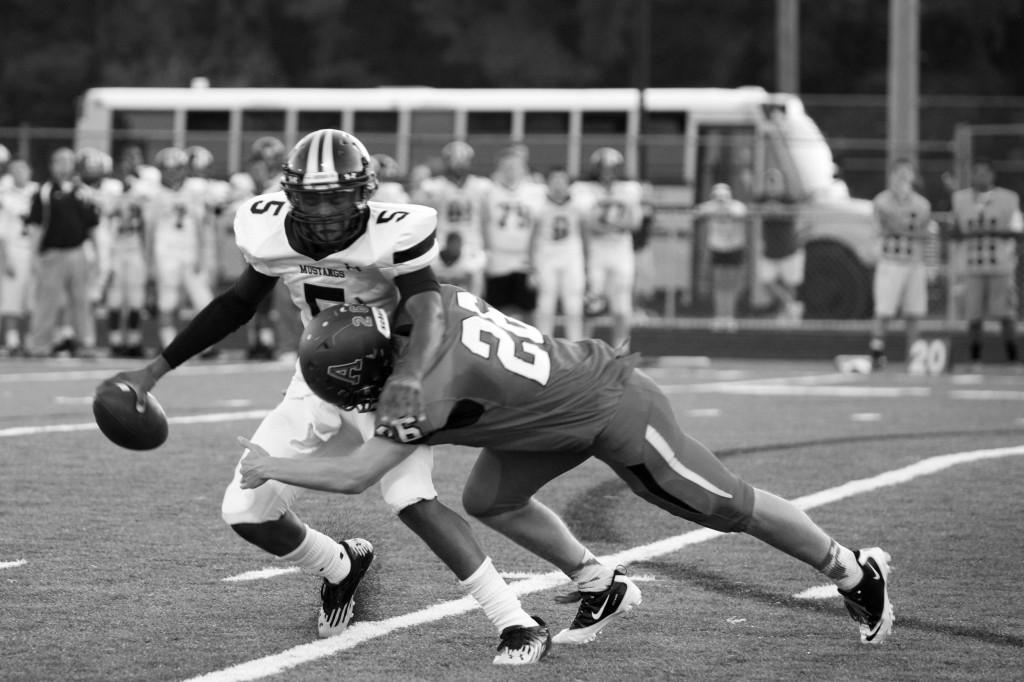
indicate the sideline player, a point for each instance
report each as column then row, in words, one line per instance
column 459, row 197
column 988, row 220
column 323, row 237
column 558, row 249
column 16, row 263
column 539, row 407
column 126, row 290
column 616, row 213
column 904, row 220
column 389, row 180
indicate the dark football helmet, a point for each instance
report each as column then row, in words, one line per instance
column 328, row 180
column 345, row 355
column 607, row 164
column 385, row 167
column 458, row 157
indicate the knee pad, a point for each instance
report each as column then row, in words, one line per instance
column 409, row 482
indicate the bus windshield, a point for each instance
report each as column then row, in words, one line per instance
column 811, row 154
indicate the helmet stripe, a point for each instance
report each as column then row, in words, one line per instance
column 327, row 153
column 312, row 162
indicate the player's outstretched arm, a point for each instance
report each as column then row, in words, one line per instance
column 223, row 315
column 350, row 475
column 402, row 397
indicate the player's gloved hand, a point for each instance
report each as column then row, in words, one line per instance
column 253, row 465
column 142, row 380
column 401, row 400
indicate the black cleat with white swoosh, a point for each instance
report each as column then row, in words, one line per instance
column 338, row 601
column 868, row 603
column 598, row 608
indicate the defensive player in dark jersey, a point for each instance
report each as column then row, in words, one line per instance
column 539, row 407
column 327, row 241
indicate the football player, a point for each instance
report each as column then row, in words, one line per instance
column 17, row 255
column 508, row 224
column 458, row 196
column 176, row 218
column 558, row 257
column 126, row 289
column 389, row 186
column 616, row 213
column 323, row 237
column 539, row 407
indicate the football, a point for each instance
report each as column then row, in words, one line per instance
column 120, row 420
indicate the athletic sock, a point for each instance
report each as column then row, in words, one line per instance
column 591, row 575
column 320, row 555
column 840, row 565
column 500, row 604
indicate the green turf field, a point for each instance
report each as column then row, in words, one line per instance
column 115, row 565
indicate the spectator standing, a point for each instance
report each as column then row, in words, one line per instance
column 63, row 220
column 16, row 256
column 904, row 221
column 988, row 220
column 781, row 270
column 558, row 257
column 725, row 221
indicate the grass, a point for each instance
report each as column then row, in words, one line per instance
column 126, row 553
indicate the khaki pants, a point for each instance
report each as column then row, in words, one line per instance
column 62, row 279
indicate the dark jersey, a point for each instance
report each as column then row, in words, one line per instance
column 500, row 383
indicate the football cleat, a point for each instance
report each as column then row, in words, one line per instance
column 598, row 608
column 521, row 646
column 338, row 601
column 868, row 603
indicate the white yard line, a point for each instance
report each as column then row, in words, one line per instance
column 99, row 374
column 212, row 418
column 366, row 631
column 13, row 564
column 818, row 592
column 262, row 574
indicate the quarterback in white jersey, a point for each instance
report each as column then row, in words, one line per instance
column 459, row 198
column 616, row 212
column 558, row 255
column 327, row 242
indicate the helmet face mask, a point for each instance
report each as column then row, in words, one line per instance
column 328, row 180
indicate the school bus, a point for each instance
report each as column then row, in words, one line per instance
column 679, row 141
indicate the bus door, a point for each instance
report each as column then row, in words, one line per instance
column 212, row 129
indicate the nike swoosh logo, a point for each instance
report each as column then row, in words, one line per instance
column 600, row 612
column 874, row 570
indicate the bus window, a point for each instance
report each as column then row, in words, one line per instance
column 489, row 132
column 547, row 136
column 602, row 129
column 210, row 129
column 726, row 154
column 257, row 124
column 431, row 130
column 318, row 120
column 378, row 131
column 151, row 130
column 663, row 147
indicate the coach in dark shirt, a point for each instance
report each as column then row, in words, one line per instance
column 63, row 217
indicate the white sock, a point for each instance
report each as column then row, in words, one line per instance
column 841, row 566
column 320, row 555
column 591, row 575
column 500, row 604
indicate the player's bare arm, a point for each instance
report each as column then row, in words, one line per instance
column 402, row 397
column 350, row 475
column 223, row 315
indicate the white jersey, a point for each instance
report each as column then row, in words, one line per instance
column 510, row 214
column 615, row 211
column 399, row 238
column 176, row 219
column 15, row 204
column 459, row 205
column 391, row 193
column 559, row 230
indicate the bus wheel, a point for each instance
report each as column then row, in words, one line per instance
column 836, row 284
